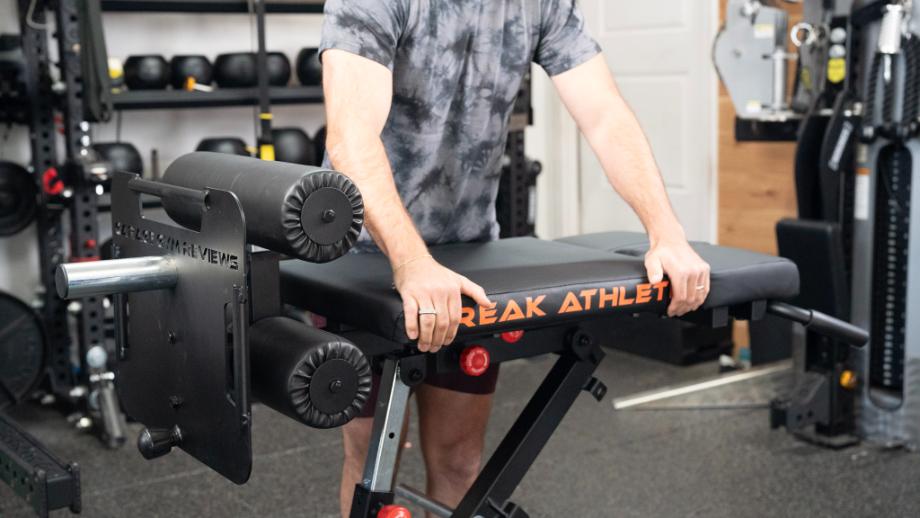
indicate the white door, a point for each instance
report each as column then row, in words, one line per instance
column 660, row 55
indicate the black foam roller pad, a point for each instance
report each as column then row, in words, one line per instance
column 315, row 377
column 306, row 212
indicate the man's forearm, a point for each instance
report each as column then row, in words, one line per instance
column 621, row 146
column 609, row 125
column 363, row 158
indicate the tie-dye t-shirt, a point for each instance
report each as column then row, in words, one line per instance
column 457, row 67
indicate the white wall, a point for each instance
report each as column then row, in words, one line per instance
column 553, row 141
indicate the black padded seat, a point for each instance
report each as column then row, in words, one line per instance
column 535, row 284
column 737, row 275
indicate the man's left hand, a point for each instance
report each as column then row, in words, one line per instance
column 687, row 272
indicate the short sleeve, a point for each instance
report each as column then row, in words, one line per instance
column 368, row 28
column 564, row 41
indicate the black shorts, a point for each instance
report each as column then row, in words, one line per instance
column 456, row 381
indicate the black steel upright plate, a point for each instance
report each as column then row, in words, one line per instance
column 22, row 350
column 185, row 359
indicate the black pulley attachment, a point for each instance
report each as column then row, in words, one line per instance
column 22, row 350
column 315, row 377
column 18, row 198
column 306, row 212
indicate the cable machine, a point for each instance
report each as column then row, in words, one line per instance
column 855, row 106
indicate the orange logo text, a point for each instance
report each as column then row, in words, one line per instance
column 578, row 301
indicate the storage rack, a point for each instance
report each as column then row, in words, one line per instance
column 32, row 471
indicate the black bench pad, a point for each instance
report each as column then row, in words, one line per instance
column 737, row 275
column 534, row 283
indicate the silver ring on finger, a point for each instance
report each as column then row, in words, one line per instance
column 422, row 312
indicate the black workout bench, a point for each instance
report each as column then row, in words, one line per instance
column 211, row 335
column 567, row 298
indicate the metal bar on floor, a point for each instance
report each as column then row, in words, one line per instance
column 416, row 497
column 652, row 396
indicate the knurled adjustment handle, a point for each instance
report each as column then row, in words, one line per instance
column 474, row 360
column 158, row 442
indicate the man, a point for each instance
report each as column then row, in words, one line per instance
column 418, row 98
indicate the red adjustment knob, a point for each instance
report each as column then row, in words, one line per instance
column 512, row 337
column 394, row 511
column 474, row 361
column 51, row 182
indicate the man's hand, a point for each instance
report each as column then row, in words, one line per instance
column 358, row 97
column 686, row 271
column 432, row 303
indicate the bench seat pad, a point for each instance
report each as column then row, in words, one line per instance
column 534, row 283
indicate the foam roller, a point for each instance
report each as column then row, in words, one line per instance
column 312, row 376
column 306, row 212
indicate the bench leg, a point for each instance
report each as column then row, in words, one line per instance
column 376, row 487
column 489, row 495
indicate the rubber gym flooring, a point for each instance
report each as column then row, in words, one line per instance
column 666, row 461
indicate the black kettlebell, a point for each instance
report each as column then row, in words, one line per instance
column 279, row 69
column 122, row 155
column 195, row 66
column 236, row 70
column 228, row 145
column 319, row 143
column 18, row 193
column 294, row 146
column 309, row 68
column 148, row 72
column 239, row 70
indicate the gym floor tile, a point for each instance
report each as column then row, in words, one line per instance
column 600, row 463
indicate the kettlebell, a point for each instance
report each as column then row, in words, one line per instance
column 309, row 67
column 147, row 72
column 122, row 155
column 279, row 69
column 319, row 143
column 239, row 70
column 294, row 146
column 228, row 145
column 196, row 67
column 236, row 70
